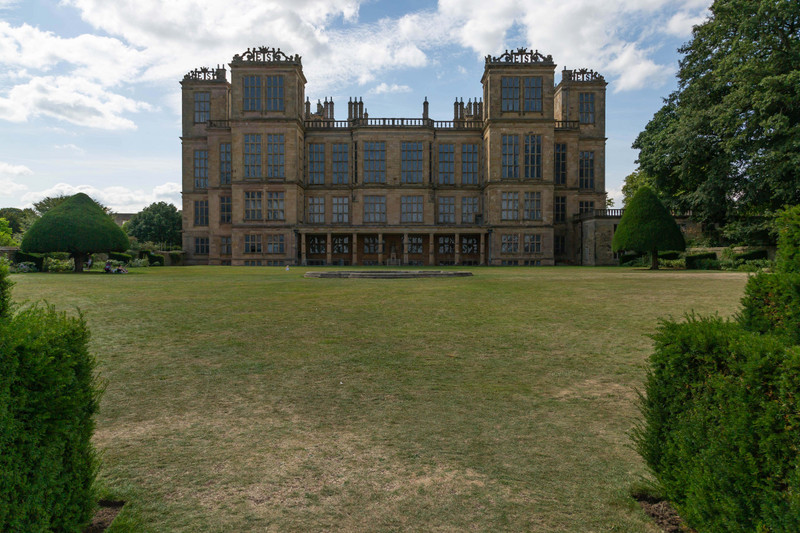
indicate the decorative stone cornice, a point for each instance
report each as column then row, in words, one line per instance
column 520, row 56
column 264, row 54
column 206, row 74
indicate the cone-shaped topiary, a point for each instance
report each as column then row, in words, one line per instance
column 647, row 226
column 77, row 226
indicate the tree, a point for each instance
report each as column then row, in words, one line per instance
column 726, row 144
column 76, row 225
column 19, row 219
column 647, row 226
column 5, row 234
column 158, row 222
column 49, row 202
column 633, row 181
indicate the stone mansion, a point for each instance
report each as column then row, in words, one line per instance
column 517, row 177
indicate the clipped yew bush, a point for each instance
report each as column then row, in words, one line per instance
column 48, row 397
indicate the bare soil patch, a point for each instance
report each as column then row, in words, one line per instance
column 663, row 514
column 108, row 511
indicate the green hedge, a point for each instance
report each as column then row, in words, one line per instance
column 788, row 224
column 751, row 255
column 155, row 259
column 696, row 261
column 772, row 304
column 721, row 428
column 48, row 396
column 117, row 256
column 37, row 259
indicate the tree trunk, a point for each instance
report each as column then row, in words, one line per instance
column 654, row 260
column 79, row 259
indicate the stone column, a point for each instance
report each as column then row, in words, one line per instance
column 405, row 248
column 328, row 249
column 456, row 249
column 380, row 248
column 430, row 248
column 303, row 249
column 355, row 248
column 482, row 239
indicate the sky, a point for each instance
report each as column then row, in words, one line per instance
column 90, row 94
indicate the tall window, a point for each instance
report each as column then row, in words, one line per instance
column 411, row 162
column 274, row 93
column 252, row 93
column 225, row 163
column 533, row 94
column 252, row 244
column 201, row 212
column 225, row 209
column 447, row 210
column 202, row 107
column 316, row 210
column 414, row 244
column 586, row 108
column 275, row 206
column 586, row 170
column 560, row 209
column 374, row 209
column 275, row 156
column 201, row 169
column 510, row 156
column 509, row 89
column 447, row 164
column 340, row 164
column 509, row 243
column 533, row 244
column 509, row 207
column 316, row 164
column 341, row 209
column 469, row 207
column 560, row 166
column 201, row 245
column 275, row 244
column 560, row 244
column 469, row 245
column 533, row 206
column 375, row 162
column 317, row 244
column 252, row 205
column 411, row 209
column 371, row 244
column 586, row 206
column 341, row 244
column 533, row 156
column 252, row 156
column 447, row 244
column 469, row 164
column 225, row 245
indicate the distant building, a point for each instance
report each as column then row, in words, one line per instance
column 517, row 177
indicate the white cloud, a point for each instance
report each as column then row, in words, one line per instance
column 681, row 23
column 119, row 199
column 384, row 88
column 70, row 148
column 10, row 177
column 616, row 195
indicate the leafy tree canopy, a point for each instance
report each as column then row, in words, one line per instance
column 49, row 202
column 726, row 144
column 5, row 234
column 77, row 225
column 19, row 219
column 158, row 222
column 633, row 181
column 647, row 226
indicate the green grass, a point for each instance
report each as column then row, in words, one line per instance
column 244, row 399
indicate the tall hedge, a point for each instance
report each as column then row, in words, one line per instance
column 48, row 396
column 788, row 224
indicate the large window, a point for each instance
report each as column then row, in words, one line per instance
column 586, row 207
column 252, row 93
column 586, row 108
column 317, row 244
column 201, row 245
column 586, row 170
column 411, row 209
column 341, row 244
column 509, row 88
column 375, row 162
column 414, row 244
column 371, row 244
column 340, row 170
column 469, row 207
column 252, row 244
column 533, row 94
column 201, row 169
column 274, row 93
column 533, row 156
column 447, row 210
column 275, row 244
column 202, row 107
column 510, row 156
column 509, row 243
column 341, row 209
column 252, row 205
column 275, row 156
column 447, row 244
column 533, row 206
column 225, row 209
column 533, row 244
column 447, row 164
column 560, row 164
column 225, row 163
column 469, row 245
column 560, row 209
column 225, row 245
column 469, row 164
column 252, row 156
column 275, row 206
column 410, row 162
column 201, row 212
column 509, row 208
column 560, row 245
column 374, row 209
column 316, row 164
column 316, row 210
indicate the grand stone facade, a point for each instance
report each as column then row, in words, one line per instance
column 516, row 177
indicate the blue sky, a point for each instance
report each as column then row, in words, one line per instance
column 90, row 94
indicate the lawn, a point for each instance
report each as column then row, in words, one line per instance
column 244, row 399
